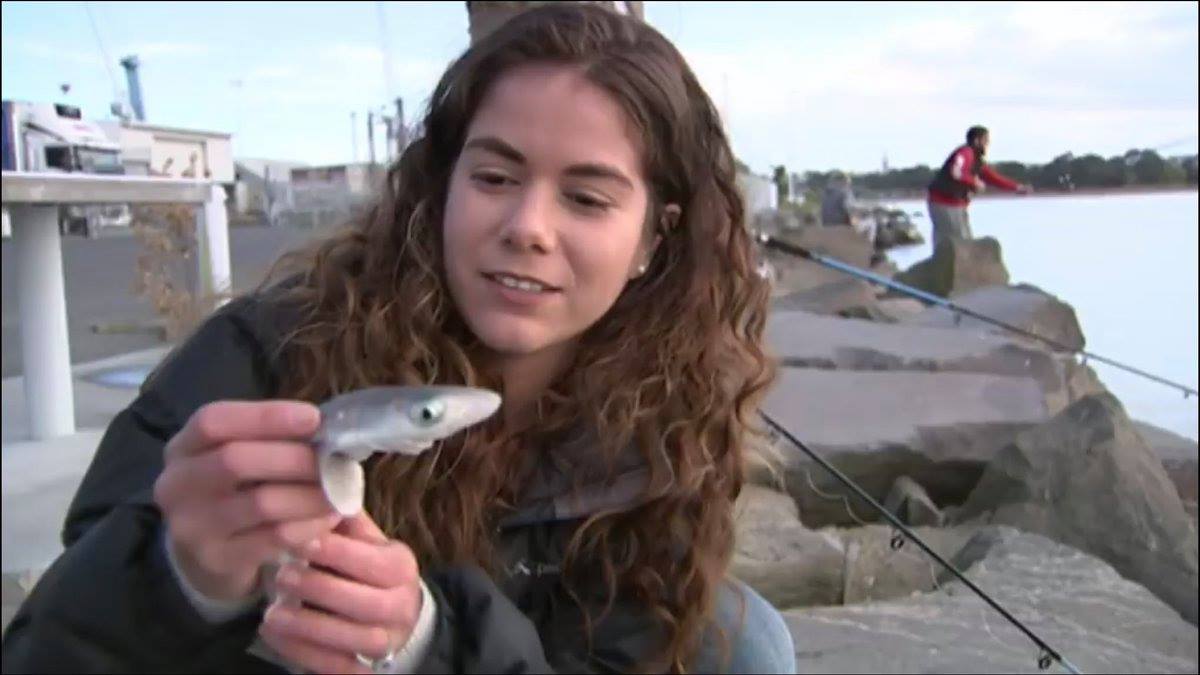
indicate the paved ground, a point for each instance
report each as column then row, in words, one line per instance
column 39, row 478
column 99, row 276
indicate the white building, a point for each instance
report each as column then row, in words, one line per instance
column 172, row 151
column 263, row 186
column 327, row 195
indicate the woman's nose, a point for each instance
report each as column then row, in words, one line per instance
column 530, row 224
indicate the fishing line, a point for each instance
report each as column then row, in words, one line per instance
column 959, row 310
column 1047, row 655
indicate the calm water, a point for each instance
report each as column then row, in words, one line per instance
column 1127, row 263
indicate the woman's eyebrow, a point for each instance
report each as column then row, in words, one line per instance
column 495, row 146
column 584, row 170
column 594, row 170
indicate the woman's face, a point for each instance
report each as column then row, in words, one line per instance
column 545, row 216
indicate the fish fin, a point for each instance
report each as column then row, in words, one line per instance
column 344, row 483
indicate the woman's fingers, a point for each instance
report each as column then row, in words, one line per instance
column 331, row 631
column 310, row 657
column 225, row 421
column 363, row 528
column 263, row 544
column 385, row 565
column 271, row 503
column 235, row 474
column 250, row 508
column 397, row 607
column 234, row 465
column 239, row 462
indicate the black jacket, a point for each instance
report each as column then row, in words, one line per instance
column 110, row 602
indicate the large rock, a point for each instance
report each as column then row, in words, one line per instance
column 849, row 297
column 1087, row 479
column 774, row 221
column 805, row 339
column 900, row 309
column 808, row 339
column 940, row 429
column 842, row 243
column 1178, row 455
column 788, row 564
column 1024, row 306
column 876, row 569
column 1078, row 604
column 793, row 566
column 957, row 266
column 794, row 274
column 909, row 502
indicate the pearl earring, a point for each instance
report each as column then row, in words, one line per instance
column 642, row 269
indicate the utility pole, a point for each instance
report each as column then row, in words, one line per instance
column 354, row 136
column 401, row 130
column 371, row 137
column 387, row 145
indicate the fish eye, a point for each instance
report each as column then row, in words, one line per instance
column 427, row 413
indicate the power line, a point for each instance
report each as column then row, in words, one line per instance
column 385, row 47
column 112, row 80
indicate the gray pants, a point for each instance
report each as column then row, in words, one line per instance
column 949, row 222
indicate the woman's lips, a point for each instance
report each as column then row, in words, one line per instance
column 520, row 297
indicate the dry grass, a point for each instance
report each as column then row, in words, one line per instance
column 165, row 272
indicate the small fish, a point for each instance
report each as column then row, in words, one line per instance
column 406, row 420
column 357, row 424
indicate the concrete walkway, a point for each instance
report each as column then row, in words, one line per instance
column 40, row 477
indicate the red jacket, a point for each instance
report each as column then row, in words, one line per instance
column 956, row 179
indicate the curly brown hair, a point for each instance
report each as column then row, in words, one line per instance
column 676, row 367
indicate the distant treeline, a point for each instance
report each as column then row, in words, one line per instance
column 1064, row 173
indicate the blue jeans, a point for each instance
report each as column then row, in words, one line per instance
column 758, row 639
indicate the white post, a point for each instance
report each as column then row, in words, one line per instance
column 45, row 350
column 212, row 240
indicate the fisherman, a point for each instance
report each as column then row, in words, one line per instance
column 550, row 236
column 838, row 208
column 962, row 174
column 837, row 201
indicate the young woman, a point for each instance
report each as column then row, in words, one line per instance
column 565, row 230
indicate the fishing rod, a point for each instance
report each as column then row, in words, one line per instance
column 807, row 254
column 1047, row 655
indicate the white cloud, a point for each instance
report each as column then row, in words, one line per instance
column 366, row 61
column 1061, row 25
column 45, row 52
column 1055, row 76
column 271, row 72
column 159, row 50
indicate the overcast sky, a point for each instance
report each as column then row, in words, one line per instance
column 810, row 85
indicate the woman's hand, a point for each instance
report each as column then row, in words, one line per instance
column 362, row 596
column 239, row 486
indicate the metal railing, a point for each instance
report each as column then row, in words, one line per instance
column 33, row 201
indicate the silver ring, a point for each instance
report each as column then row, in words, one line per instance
column 382, row 665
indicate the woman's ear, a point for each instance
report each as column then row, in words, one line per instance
column 668, row 221
column 670, row 218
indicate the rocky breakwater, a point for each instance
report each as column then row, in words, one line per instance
column 1005, row 454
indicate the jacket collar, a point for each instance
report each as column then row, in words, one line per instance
column 571, row 481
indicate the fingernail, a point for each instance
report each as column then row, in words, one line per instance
column 287, row 577
column 276, row 615
column 305, row 416
column 311, row 548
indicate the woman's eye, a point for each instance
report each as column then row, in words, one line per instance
column 492, row 179
column 588, row 202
